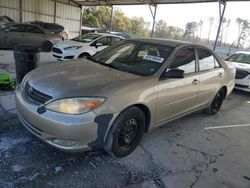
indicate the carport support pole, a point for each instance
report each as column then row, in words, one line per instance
column 20, row 11
column 221, row 20
column 154, row 16
column 111, row 17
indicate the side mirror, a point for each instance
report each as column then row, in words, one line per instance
column 98, row 45
column 174, row 73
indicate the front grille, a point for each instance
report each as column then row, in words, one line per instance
column 241, row 74
column 36, row 95
column 57, row 56
column 69, row 57
column 57, row 50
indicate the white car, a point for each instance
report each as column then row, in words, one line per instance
column 84, row 46
column 241, row 61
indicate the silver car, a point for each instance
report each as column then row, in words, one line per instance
column 27, row 35
column 110, row 100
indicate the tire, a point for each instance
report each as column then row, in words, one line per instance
column 126, row 132
column 47, row 46
column 216, row 103
column 84, row 56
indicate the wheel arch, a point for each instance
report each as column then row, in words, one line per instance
column 146, row 112
column 83, row 53
column 224, row 88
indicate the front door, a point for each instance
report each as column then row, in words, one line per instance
column 178, row 95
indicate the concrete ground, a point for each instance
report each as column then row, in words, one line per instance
column 181, row 154
column 178, row 155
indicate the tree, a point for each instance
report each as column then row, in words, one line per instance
column 244, row 32
column 170, row 32
column 139, row 26
column 211, row 22
column 121, row 22
column 222, row 31
column 190, row 31
column 161, row 29
column 200, row 25
column 99, row 17
column 227, row 28
column 239, row 21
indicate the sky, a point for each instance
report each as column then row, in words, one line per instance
column 179, row 14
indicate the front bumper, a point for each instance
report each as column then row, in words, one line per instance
column 66, row 54
column 51, row 125
column 243, row 84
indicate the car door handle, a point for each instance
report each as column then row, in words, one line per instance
column 195, row 82
column 220, row 75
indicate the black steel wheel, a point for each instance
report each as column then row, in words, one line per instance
column 216, row 103
column 126, row 132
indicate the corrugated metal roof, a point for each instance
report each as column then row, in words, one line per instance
column 141, row 2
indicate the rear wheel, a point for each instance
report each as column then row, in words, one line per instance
column 47, row 46
column 216, row 103
column 126, row 132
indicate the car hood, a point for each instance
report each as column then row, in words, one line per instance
column 68, row 43
column 242, row 66
column 78, row 78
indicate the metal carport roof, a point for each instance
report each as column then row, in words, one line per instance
column 142, row 2
column 154, row 3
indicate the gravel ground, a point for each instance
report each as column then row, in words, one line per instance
column 178, row 155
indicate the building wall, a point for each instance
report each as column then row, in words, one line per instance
column 63, row 12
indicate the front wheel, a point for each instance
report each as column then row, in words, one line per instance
column 126, row 132
column 216, row 103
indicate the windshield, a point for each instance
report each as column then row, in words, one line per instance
column 239, row 58
column 135, row 57
column 86, row 38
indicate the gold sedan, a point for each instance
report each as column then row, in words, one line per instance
column 111, row 99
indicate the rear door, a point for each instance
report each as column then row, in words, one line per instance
column 33, row 35
column 178, row 95
column 211, row 74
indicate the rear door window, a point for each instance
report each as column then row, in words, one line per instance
column 32, row 29
column 115, row 40
column 207, row 61
column 105, row 41
column 15, row 28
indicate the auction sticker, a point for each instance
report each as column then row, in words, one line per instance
column 153, row 58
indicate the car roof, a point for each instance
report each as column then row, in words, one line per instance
column 106, row 34
column 242, row 52
column 161, row 41
column 26, row 24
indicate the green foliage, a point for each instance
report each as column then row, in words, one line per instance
column 244, row 32
column 170, row 32
column 99, row 17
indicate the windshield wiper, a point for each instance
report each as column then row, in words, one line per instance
column 118, row 68
column 110, row 66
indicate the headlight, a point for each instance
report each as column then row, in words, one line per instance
column 75, row 105
column 72, row 48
